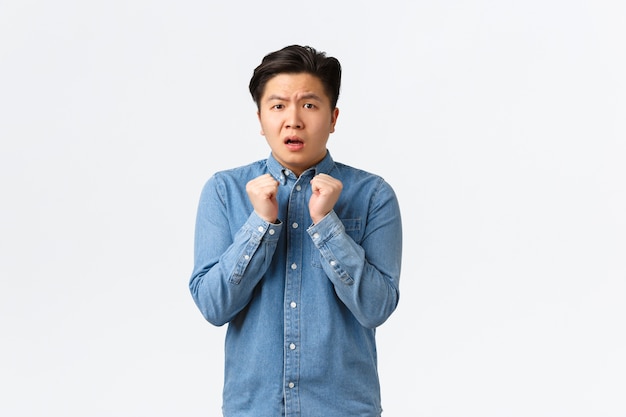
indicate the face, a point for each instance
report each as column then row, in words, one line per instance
column 296, row 119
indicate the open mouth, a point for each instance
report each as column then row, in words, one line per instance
column 293, row 141
column 294, row 144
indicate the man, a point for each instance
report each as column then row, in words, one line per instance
column 299, row 254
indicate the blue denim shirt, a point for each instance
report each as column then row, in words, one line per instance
column 302, row 301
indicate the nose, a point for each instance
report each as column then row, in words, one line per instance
column 294, row 121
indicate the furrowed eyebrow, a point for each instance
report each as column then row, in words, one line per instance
column 275, row 97
column 310, row 96
column 307, row 96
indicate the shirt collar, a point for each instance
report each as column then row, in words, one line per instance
column 281, row 173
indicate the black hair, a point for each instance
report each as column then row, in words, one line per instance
column 295, row 59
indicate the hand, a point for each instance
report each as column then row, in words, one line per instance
column 326, row 191
column 262, row 193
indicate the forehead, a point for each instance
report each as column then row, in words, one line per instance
column 288, row 85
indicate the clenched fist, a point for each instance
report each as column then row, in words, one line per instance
column 262, row 193
column 325, row 193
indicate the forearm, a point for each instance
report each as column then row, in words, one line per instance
column 224, row 277
column 368, row 288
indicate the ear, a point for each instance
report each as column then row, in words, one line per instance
column 258, row 115
column 333, row 119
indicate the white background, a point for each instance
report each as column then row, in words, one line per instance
column 501, row 125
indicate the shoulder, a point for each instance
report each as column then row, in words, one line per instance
column 234, row 178
column 253, row 168
column 360, row 176
column 352, row 170
column 240, row 173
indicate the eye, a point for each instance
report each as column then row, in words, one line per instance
column 278, row 106
column 309, row 106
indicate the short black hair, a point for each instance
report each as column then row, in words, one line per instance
column 296, row 59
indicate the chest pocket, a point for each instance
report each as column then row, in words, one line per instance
column 352, row 228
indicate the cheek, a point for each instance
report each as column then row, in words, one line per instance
column 326, row 126
column 269, row 123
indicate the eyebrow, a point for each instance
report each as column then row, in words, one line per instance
column 306, row 96
column 311, row 96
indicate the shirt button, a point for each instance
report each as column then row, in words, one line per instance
column 292, row 346
column 298, row 188
column 272, row 231
column 293, row 304
column 294, row 266
column 291, row 385
column 260, row 229
column 246, row 257
column 295, row 225
column 333, row 263
column 316, row 235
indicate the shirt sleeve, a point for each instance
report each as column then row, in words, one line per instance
column 228, row 263
column 365, row 275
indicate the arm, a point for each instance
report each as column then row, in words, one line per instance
column 229, row 260
column 366, row 275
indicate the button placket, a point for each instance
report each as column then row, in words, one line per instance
column 295, row 216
